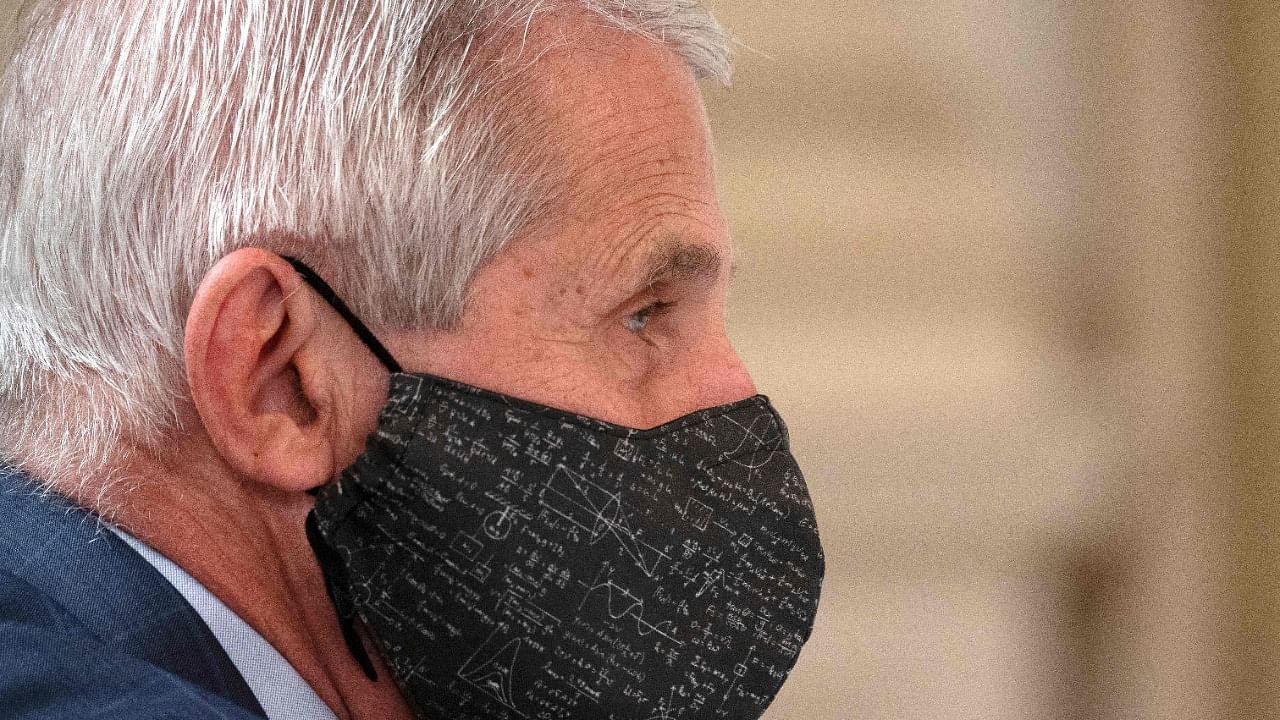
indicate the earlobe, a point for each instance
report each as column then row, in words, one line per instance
column 249, row 336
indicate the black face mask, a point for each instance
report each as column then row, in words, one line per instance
column 512, row 560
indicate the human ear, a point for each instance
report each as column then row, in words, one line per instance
column 256, row 370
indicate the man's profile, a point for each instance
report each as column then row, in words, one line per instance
column 235, row 237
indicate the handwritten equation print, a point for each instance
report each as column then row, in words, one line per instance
column 516, row 561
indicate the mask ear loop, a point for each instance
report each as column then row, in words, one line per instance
column 324, row 554
column 366, row 336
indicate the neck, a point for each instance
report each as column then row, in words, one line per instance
column 246, row 544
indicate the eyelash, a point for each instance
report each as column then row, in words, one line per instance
column 645, row 314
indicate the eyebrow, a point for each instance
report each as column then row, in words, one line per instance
column 683, row 261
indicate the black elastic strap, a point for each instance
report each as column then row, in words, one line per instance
column 366, row 336
column 330, row 565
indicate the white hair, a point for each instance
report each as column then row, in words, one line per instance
column 384, row 141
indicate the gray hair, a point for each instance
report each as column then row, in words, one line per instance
column 385, row 141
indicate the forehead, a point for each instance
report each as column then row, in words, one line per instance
column 630, row 128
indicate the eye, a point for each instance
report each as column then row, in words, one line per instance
column 637, row 322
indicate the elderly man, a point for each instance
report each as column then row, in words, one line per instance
column 517, row 196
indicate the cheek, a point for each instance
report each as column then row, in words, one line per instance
column 712, row 379
column 572, row 372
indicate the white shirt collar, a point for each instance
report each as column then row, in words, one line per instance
column 281, row 691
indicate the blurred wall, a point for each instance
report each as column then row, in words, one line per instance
column 985, row 282
column 1006, row 267
column 1255, row 270
column 8, row 20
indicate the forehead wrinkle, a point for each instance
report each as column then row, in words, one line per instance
column 614, row 264
column 611, row 188
column 626, row 120
column 644, row 211
column 630, row 162
column 651, row 251
column 628, row 224
column 666, row 254
column 629, row 148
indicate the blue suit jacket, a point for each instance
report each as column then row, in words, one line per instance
column 89, row 629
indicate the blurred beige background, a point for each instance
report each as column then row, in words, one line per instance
column 1010, row 273
column 1013, row 276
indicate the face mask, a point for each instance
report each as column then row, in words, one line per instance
column 511, row 560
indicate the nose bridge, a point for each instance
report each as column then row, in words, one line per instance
column 712, row 374
column 734, row 381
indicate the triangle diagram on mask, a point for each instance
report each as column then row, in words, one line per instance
column 492, row 672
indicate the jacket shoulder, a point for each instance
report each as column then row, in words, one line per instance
column 52, row 668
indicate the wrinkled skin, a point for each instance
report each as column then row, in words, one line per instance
column 613, row 309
